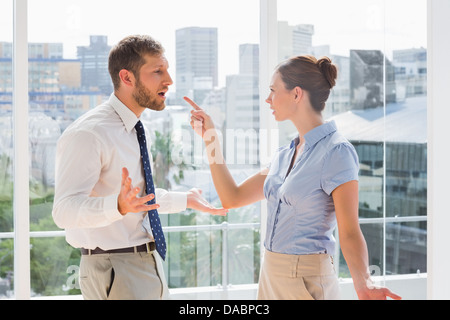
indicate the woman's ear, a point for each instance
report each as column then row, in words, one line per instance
column 126, row 77
column 298, row 93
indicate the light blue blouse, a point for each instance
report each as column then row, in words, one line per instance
column 300, row 209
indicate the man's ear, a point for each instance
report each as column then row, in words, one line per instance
column 126, row 77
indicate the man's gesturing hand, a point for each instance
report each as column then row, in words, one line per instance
column 128, row 200
column 196, row 201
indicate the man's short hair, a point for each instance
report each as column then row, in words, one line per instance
column 129, row 54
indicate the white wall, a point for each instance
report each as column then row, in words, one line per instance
column 438, row 53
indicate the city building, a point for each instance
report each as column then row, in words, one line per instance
column 94, row 65
column 55, row 99
column 294, row 40
column 196, row 62
column 410, row 72
column 249, row 59
column 241, row 135
column 54, row 83
column 372, row 79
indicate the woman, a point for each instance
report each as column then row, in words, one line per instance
column 310, row 184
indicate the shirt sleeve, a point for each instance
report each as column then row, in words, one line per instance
column 170, row 201
column 74, row 206
column 341, row 165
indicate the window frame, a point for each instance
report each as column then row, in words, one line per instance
column 21, row 207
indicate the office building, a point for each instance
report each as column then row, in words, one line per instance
column 410, row 72
column 372, row 79
column 196, row 62
column 242, row 109
column 94, row 65
column 294, row 40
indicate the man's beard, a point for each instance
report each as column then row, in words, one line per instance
column 146, row 99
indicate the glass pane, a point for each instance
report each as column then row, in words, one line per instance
column 371, row 178
column 373, row 233
column 350, row 33
column 406, row 110
column 243, row 256
column 6, row 152
column 406, row 135
column 204, row 268
column 209, row 58
column 379, row 102
column 54, row 267
column 406, row 247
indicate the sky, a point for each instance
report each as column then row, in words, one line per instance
column 341, row 24
column 361, row 24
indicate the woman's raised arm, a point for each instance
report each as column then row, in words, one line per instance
column 231, row 195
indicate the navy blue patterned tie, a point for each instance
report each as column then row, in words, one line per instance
column 152, row 215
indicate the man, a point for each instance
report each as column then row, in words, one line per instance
column 101, row 195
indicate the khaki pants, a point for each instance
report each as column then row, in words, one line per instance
column 121, row 276
column 298, row 277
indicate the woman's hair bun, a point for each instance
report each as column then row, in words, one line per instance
column 317, row 77
column 328, row 69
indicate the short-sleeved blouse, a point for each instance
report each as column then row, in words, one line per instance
column 300, row 210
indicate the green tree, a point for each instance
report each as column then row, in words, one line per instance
column 162, row 161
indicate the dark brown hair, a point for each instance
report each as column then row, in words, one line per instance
column 317, row 77
column 129, row 54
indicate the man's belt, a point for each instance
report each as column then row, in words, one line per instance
column 146, row 247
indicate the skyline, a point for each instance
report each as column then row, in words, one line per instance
column 361, row 25
column 391, row 242
column 367, row 24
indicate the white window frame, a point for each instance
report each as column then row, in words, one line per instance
column 21, row 211
column 268, row 57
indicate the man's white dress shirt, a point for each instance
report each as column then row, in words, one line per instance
column 89, row 159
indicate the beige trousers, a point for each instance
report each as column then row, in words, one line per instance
column 297, row 277
column 121, row 276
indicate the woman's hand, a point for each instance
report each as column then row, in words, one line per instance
column 376, row 293
column 201, row 122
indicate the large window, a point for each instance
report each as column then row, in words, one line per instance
column 379, row 104
column 211, row 61
column 213, row 49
